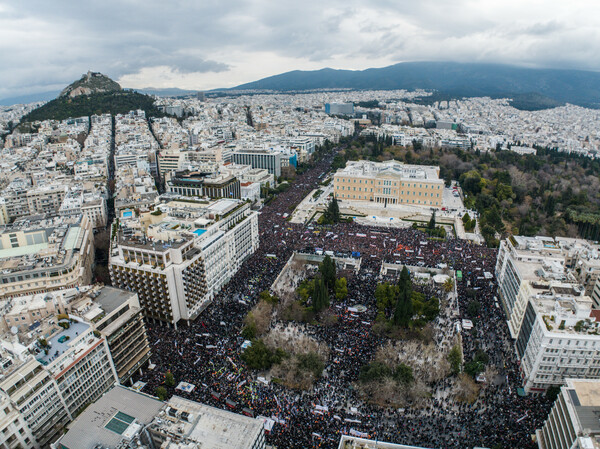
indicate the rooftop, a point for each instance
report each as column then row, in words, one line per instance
column 395, row 169
column 111, row 298
column 213, row 427
column 61, row 341
column 118, row 414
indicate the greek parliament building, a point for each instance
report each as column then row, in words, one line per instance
column 389, row 183
column 178, row 256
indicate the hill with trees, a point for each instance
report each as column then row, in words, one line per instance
column 121, row 102
column 93, row 94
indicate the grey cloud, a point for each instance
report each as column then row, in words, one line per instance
column 121, row 37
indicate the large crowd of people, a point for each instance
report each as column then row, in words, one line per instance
column 207, row 353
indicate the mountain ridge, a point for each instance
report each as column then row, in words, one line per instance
column 460, row 79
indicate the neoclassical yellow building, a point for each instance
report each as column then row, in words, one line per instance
column 389, row 183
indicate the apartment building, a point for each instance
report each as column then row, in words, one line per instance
column 170, row 160
column 127, row 418
column 94, row 336
column 50, row 372
column 269, row 160
column 204, row 184
column 39, row 254
column 46, row 199
column 14, row 432
column 117, row 315
column 389, row 183
column 34, row 394
column 188, row 423
column 22, row 198
column 549, row 315
column 80, row 362
column 559, row 259
column 573, row 421
column 179, row 259
column 557, row 338
column 92, row 205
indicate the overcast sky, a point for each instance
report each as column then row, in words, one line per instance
column 205, row 44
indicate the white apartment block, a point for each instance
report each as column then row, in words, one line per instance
column 559, row 259
column 573, row 421
column 14, row 432
column 52, row 371
column 39, row 254
column 25, row 199
column 81, row 364
column 92, row 205
column 558, row 338
column 180, row 255
column 34, row 393
column 549, row 314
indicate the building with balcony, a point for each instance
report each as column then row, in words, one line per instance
column 542, row 259
column 178, row 257
column 116, row 314
column 39, row 254
column 14, row 432
column 549, row 315
column 204, row 185
column 573, row 421
column 34, row 394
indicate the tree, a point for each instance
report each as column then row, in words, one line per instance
column 311, row 362
column 332, row 214
column 320, row 296
column 169, row 379
column 404, row 374
column 258, row 356
column 341, row 288
column 455, row 359
column 328, row 271
column 477, row 365
column 473, row 308
column 404, row 305
column 161, row 393
column 431, row 224
column 249, row 331
column 448, row 285
column 385, row 295
column 374, row 371
column 266, row 296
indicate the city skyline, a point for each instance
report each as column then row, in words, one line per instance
column 203, row 47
